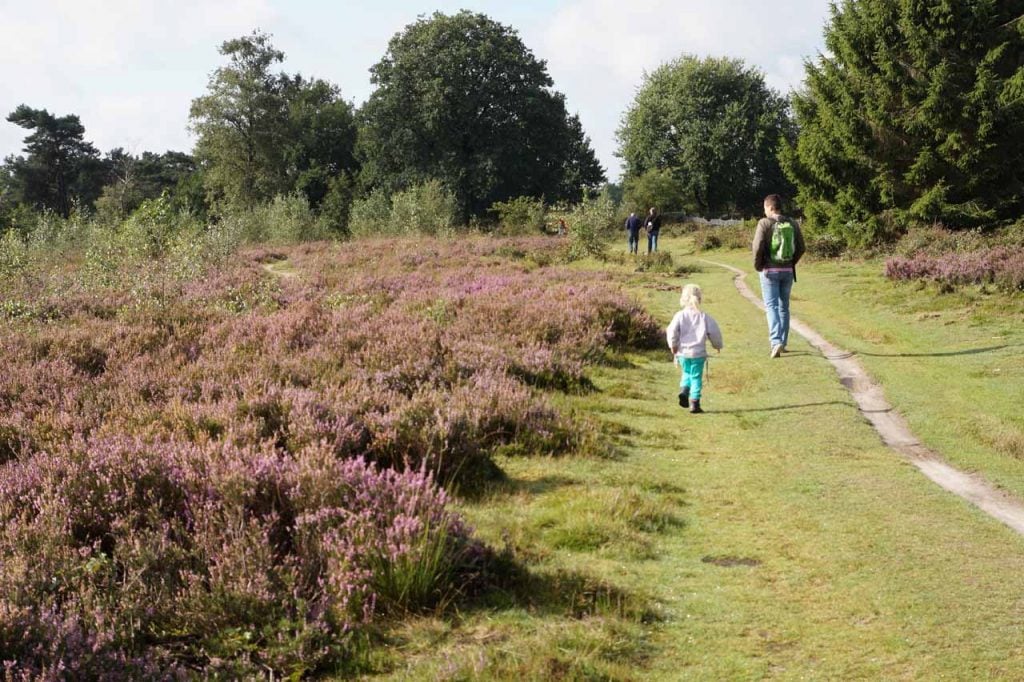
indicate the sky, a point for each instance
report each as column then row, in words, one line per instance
column 130, row 68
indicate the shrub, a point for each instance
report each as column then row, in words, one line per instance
column 590, row 223
column 825, row 245
column 522, row 215
column 13, row 254
column 1003, row 266
column 371, row 215
column 426, row 209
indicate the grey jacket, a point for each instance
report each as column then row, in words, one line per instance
column 689, row 329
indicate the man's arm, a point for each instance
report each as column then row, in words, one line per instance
column 758, row 245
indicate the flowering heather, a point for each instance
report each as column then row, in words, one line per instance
column 1001, row 265
column 236, row 473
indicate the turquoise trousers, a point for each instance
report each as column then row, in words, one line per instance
column 693, row 375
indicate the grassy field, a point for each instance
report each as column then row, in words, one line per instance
column 774, row 536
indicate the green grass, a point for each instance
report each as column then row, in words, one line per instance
column 773, row 536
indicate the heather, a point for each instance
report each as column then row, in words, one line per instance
column 234, row 467
column 1001, row 266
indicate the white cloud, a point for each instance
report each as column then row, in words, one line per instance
column 130, row 68
column 599, row 50
column 127, row 68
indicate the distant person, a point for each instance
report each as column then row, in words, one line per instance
column 633, row 224
column 778, row 246
column 687, row 333
column 562, row 229
column 653, row 225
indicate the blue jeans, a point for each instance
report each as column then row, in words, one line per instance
column 692, row 376
column 652, row 241
column 775, row 289
column 634, row 241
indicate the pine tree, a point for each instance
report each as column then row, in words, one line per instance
column 915, row 115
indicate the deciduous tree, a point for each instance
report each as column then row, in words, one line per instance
column 715, row 126
column 462, row 100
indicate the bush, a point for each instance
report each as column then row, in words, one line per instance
column 590, row 223
column 14, row 256
column 1002, row 266
column 825, row 245
column 522, row 215
column 426, row 209
column 371, row 216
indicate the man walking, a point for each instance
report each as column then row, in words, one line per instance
column 633, row 231
column 653, row 225
column 778, row 246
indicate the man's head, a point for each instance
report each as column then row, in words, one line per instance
column 633, row 214
column 772, row 204
column 653, row 210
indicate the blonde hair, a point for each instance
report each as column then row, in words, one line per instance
column 691, row 297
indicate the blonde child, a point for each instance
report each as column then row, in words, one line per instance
column 687, row 333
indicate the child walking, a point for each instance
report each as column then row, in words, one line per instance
column 687, row 333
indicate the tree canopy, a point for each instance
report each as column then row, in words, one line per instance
column 59, row 167
column 462, row 100
column 715, row 126
column 915, row 114
column 262, row 133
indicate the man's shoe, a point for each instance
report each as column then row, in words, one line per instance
column 695, row 407
column 776, row 351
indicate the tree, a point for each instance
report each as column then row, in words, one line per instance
column 915, row 115
column 134, row 179
column 59, row 167
column 715, row 126
column 657, row 187
column 261, row 134
column 462, row 100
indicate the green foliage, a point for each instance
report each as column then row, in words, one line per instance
column 134, row 179
column 656, row 187
column 522, row 215
column 13, row 254
column 915, row 114
column 371, row 215
column 425, row 209
column 263, row 134
column 590, row 223
column 336, row 206
column 462, row 100
column 712, row 126
column 60, row 167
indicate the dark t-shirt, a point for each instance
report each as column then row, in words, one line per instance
column 653, row 223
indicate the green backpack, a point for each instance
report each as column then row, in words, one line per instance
column 783, row 244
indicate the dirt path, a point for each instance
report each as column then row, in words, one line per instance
column 893, row 429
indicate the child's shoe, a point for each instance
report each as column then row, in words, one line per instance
column 684, row 397
column 695, row 407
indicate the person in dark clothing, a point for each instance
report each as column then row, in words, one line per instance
column 633, row 224
column 653, row 225
column 778, row 246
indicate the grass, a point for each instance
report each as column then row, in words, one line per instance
column 773, row 536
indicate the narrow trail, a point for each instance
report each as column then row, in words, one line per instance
column 891, row 426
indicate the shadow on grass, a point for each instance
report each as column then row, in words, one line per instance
column 564, row 593
column 777, row 408
column 940, row 354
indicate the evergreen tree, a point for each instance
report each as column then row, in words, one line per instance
column 915, row 114
column 59, row 168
